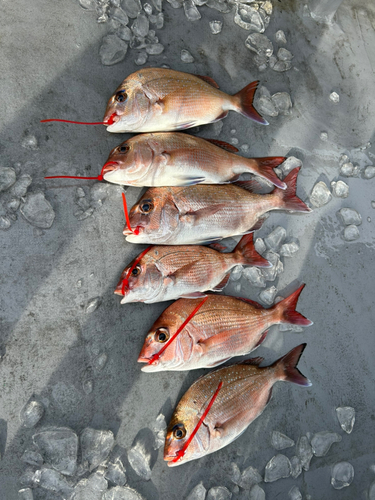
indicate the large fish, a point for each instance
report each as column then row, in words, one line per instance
column 160, row 100
column 167, row 273
column 176, row 159
column 222, row 328
column 245, row 391
column 196, row 215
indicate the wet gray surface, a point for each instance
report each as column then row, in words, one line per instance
column 48, row 344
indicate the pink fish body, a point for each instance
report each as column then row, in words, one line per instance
column 222, row 328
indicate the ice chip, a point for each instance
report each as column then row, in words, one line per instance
column 124, row 32
column 31, row 413
column 249, row 18
column 255, row 276
column 122, row 493
column 282, row 102
column 304, row 452
column 25, row 494
column 120, row 15
column 140, row 460
column 159, row 439
column 112, row 50
column 259, row 44
column 334, row 97
column 160, row 424
column 141, row 59
column 245, row 148
column 88, row 4
column 7, row 178
column 235, row 474
column 176, row 4
column 256, row 493
column 280, row 441
column 191, row 11
column 322, row 442
column 217, row 127
column 116, row 473
column 266, row 106
column 141, row 25
column 83, row 214
column 346, row 418
column 249, row 477
column 58, row 446
column 100, row 362
column 281, row 66
column 296, row 466
column 349, row 216
column 54, row 481
column 236, row 273
column 260, row 246
column 95, row 446
column 351, row 233
column 186, row 57
column 102, row 13
column 92, row 305
column 5, row 223
column 19, row 188
column 32, row 458
column 347, row 169
column 294, row 493
column 280, row 37
column 155, row 49
column 340, row 189
column 216, row 27
column 284, row 55
column 289, row 249
column 234, row 141
column 275, row 238
column 270, row 273
column 369, row 172
column 220, row 5
column 277, row 468
column 147, row 8
column 91, row 488
column 30, row 142
column 197, row 493
column 87, row 386
column 158, row 5
column 30, row 478
column 219, row 493
column 342, row 475
column 320, row 194
column 132, row 7
column 268, row 295
column 324, row 136
column 158, row 20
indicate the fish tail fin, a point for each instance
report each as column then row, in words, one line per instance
column 265, row 166
column 246, row 254
column 244, row 100
column 287, row 197
column 286, row 310
column 286, row 367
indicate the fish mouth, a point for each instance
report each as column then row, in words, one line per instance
column 110, row 166
column 169, row 459
column 110, row 119
column 135, row 232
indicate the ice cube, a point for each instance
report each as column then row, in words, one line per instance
column 176, row 4
column 31, row 413
column 270, row 273
column 351, row 233
column 340, row 189
column 334, row 97
column 220, row 5
column 277, row 468
column 186, row 57
column 260, row 246
column 19, row 188
column 112, row 50
column 83, row 214
column 234, row 141
column 92, row 305
column 219, row 493
column 236, row 273
column 266, row 106
column 289, row 249
column 30, row 478
column 132, row 7
column 284, row 55
column 141, row 25
column 342, row 475
column 281, row 66
column 295, row 494
column 58, row 446
column 100, row 362
column 121, row 16
column 280, row 37
column 369, row 172
column 346, row 418
column 259, row 44
column 248, row 18
column 216, row 27
column 191, row 11
column 116, row 473
column 102, row 13
column 87, row 386
column 347, row 169
column 25, row 494
column 5, row 223
column 235, row 474
column 159, row 439
column 88, row 4
column 158, row 20
column 245, row 148
column 280, row 441
column 324, row 136
column 320, row 194
column 32, row 458
column 54, row 481
column 275, row 238
column 160, row 424
column 122, row 493
column 7, row 178
column 141, row 58
column 268, row 295
column 197, row 493
column 296, row 466
column 322, row 442
column 282, row 102
column 249, row 477
column 147, row 8
column 304, row 452
column 349, row 216
column 256, row 493
column 91, row 488
column 140, row 460
column 95, row 446
column 155, row 49
column 124, row 32
column 30, row 142
column 255, row 276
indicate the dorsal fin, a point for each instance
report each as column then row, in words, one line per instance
column 251, row 302
column 218, row 247
column 209, row 80
column 223, row 145
column 252, row 186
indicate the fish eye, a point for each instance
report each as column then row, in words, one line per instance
column 179, row 431
column 146, row 206
column 121, row 96
column 161, row 335
column 137, row 270
column 123, row 148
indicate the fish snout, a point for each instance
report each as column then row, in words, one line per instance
column 110, row 118
column 110, row 166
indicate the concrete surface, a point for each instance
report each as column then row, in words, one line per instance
column 50, row 68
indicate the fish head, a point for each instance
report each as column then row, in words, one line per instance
column 127, row 109
column 128, row 162
column 184, row 421
column 142, row 283
column 155, row 216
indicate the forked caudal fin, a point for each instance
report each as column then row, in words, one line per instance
column 287, row 197
column 286, row 310
column 247, row 255
column 265, row 169
column 287, row 367
column 245, row 98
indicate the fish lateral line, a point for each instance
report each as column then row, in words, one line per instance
column 125, row 281
column 156, row 356
column 110, row 121
column 181, row 452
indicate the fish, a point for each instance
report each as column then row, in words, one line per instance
column 244, row 393
column 161, row 100
column 222, row 328
column 166, row 273
column 177, row 159
column 203, row 214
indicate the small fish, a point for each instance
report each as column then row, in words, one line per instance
column 202, row 214
column 176, row 159
column 222, row 328
column 160, row 100
column 245, row 391
column 167, row 273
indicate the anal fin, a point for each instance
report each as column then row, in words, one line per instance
column 220, row 117
column 219, row 287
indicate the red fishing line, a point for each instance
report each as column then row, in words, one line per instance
column 136, row 230
column 110, row 121
column 125, row 281
column 98, row 178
